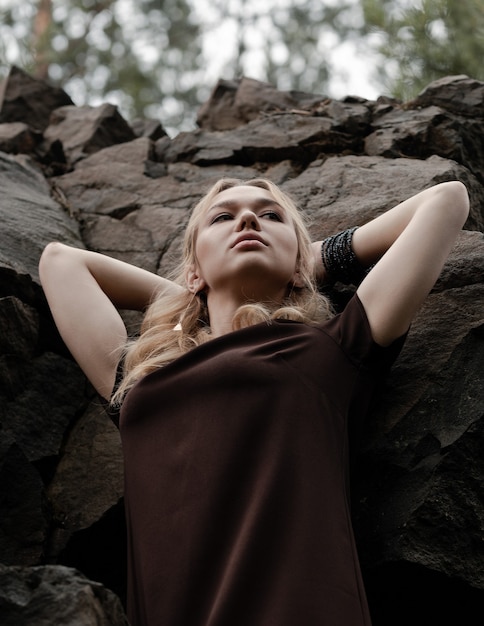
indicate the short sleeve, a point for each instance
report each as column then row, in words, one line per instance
column 351, row 330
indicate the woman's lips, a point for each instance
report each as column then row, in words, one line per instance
column 249, row 239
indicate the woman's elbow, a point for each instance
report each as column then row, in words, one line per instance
column 51, row 250
column 454, row 200
column 53, row 255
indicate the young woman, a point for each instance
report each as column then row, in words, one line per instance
column 237, row 399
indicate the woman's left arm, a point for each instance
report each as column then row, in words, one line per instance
column 409, row 244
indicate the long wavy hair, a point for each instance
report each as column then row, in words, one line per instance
column 178, row 322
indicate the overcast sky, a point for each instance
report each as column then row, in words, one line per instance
column 352, row 69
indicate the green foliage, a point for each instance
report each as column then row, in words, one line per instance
column 136, row 53
column 155, row 58
column 424, row 40
column 296, row 40
column 150, row 57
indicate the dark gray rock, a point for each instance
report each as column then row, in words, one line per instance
column 85, row 130
column 23, row 526
column 89, row 477
column 17, row 137
column 233, row 103
column 428, row 131
column 29, row 216
column 276, row 137
column 417, row 490
column 44, row 596
column 343, row 191
column 460, row 94
column 148, row 128
column 25, row 99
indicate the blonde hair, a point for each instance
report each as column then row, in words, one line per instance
column 159, row 344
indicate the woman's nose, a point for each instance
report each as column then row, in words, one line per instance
column 248, row 219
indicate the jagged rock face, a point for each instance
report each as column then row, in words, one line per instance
column 85, row 177
column 35, row 595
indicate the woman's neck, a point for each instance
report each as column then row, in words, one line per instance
column 222, row 308
column 221, row 312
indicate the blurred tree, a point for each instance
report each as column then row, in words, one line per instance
column 422, row 40
column 288, row 43
column 160, row 58
column 136, row 53
column 151, row 57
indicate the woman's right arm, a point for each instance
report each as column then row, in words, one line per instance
column 85, row 290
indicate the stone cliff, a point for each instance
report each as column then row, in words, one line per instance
column 86, row 177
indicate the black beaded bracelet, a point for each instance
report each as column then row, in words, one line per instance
column 340, row 261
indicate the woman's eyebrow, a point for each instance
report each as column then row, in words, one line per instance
column 224, row 204
column 258, row 203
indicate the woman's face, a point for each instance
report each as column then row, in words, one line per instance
column 246, row 243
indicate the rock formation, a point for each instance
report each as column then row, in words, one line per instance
column 86, row 177
column 48, row 595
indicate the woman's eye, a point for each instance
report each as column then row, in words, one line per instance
column 221, row 218
column 272, row 215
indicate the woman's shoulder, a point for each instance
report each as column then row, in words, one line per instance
column 351, row 329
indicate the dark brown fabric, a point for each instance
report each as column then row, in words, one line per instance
column 236, row 489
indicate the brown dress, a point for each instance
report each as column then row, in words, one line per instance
column 236, row 470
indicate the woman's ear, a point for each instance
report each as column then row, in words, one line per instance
column 297, row 280
column 195, row 282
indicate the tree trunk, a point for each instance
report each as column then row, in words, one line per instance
column 41, row 39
